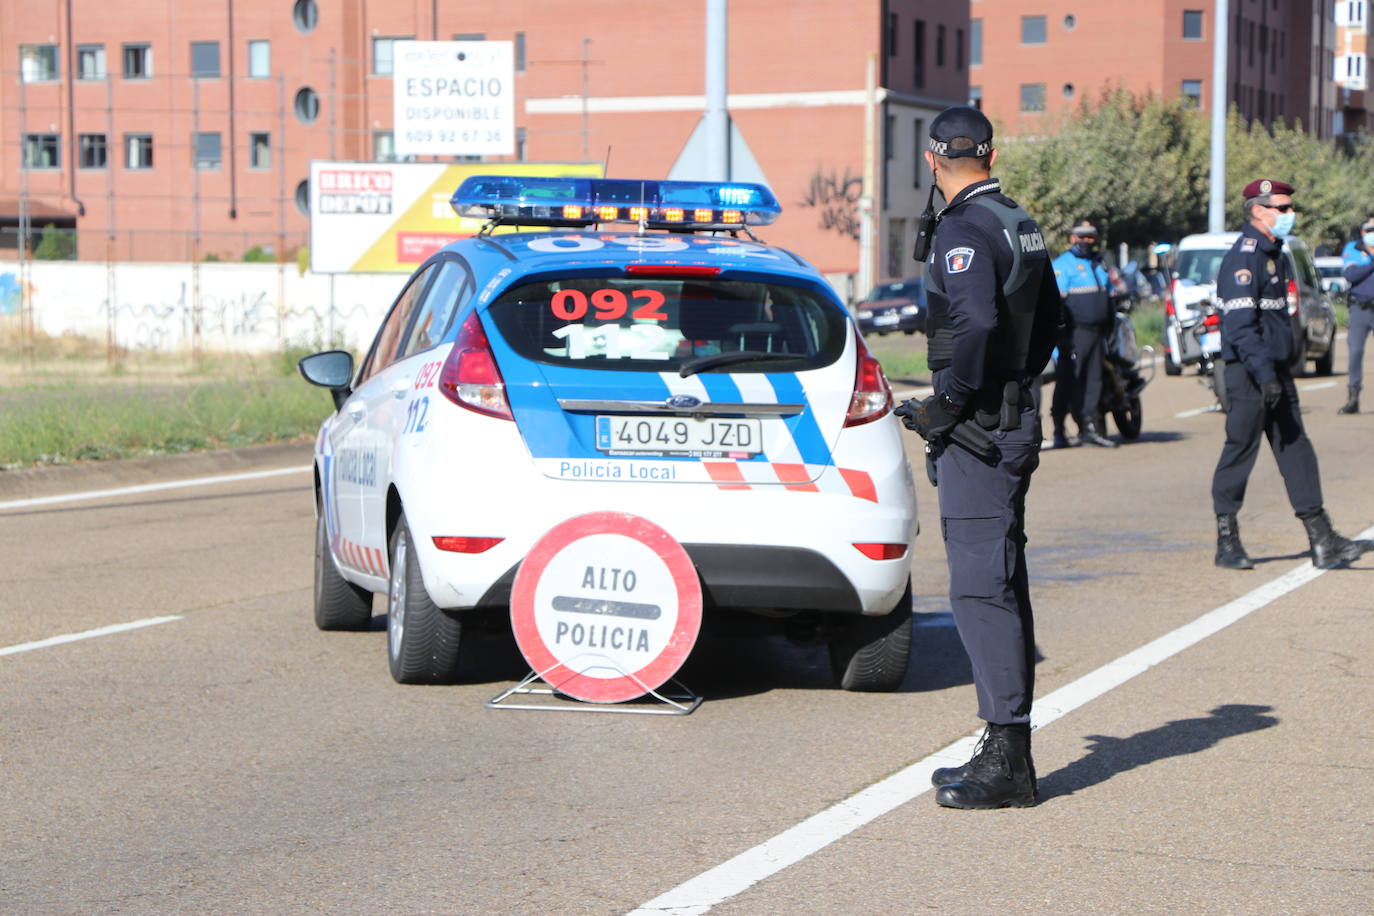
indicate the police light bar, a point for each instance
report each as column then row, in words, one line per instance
column 536, row 200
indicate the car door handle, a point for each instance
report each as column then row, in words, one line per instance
column 357, row 411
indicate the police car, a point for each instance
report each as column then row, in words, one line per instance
column 676, row 369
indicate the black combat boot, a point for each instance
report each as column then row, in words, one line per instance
column 1352, row 404
column 1061, row 438
column 1329, row 549
column 1090, row 434
column 1000, row 775
column 1230, row 551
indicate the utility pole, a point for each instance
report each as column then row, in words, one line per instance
column 717, row 118
column 1216, row 202
column 867, row 214
column 586, row 61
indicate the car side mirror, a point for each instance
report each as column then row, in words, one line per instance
column 332, row 369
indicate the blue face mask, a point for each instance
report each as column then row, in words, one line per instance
column 1368, row 239
column 1284, row 224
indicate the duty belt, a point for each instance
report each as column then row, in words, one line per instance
column 1362, row 303
column 1000, row 407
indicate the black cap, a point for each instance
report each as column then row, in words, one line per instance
column 960, row 122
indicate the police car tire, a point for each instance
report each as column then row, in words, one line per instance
column 339, row 604
column 1171, row 367
column 1299, row 365
column 421, row 638
column 871, row 654
column 1326, row 365
column 1128, row 419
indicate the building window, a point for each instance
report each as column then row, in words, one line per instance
column 919, row 133
column 890, row 137
column 891, row 34
column 42, row 151
column 1068, row 91
column 307, row 105
column 204, row 59
column 38, row 63
column 1070, row 22
column 259, row 59
column 138, row 151
column 306, row 15
column 1032, row 97
column 975, row 43
column 520, row 143
column 1192, row 25
column 959, row 49
column 975, row 97
column 1033, row 30
column 92, row 150
column 90, row 62
column 209, row 149
column 303, row 197
column 470, row 36
column 1351, row 13
column 383, row 146
column 918, row 50
column 939, row 45
column 260, row 150
column 384, row 55
column 519, row 52
column 138, row 62
column 1192, row 93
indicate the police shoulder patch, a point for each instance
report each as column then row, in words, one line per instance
column 1243, row 277
column 957, row 260
column 1247, row 245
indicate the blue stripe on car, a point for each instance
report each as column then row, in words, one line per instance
column 806, row 432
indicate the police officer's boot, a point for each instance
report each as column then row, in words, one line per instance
column 1352, row 404
column 1000, row 775
column 1090, row 434
column 1230, row 551
column 1061, row 437
column 1329, row 549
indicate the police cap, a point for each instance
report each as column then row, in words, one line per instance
column 960, row 123
column 1263, row 186
column 1084, row 229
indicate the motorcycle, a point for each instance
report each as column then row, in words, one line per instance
column 1122, row 378
column 1206, row 337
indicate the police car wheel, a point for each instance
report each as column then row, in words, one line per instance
column 339, row 604
column 421, row 638
column 1128, row 419
column 1171, row 367
column 1326, row 365
column 1299, row 365
column 871, row 653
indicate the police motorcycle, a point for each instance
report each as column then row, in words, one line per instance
column 1122, row 377
column 1204, row 337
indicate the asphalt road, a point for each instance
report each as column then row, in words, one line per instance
column 236, row 760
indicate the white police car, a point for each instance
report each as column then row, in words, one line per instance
column 679, row 371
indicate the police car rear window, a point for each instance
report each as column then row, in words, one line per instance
column 658, row 325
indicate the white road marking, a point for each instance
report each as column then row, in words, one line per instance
column 1210, row 408
column 1318, row 386
column 733, row 877
column 149, row 488
column 88, row 634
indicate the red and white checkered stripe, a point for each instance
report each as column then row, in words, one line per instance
column 364, row 559
column 802, row 478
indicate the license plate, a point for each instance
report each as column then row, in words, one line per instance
column 687, row 436
column 1211, row 342
column 885, row 319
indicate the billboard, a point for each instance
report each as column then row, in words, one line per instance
column 387, row 217
column 454, row 98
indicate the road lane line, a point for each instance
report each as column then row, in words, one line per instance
column 150, row 488
column 87, row 634
column 1318, row 386
column 1210, row 408
column 733, row 877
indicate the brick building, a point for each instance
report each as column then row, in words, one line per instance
column 169, row 131
column 1033, row 59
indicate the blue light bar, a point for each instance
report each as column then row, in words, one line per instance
column 583, row 201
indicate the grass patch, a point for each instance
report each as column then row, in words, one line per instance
column 903, row 358
column 1149, row 323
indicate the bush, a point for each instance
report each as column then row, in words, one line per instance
column 56, row 244
column 256, row 255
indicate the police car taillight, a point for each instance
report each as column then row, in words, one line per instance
column 1293, row 298
column 882, row 551
column 872, row 396
column 458, row 544
column 470, row 377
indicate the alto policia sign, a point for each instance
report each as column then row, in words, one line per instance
column 454, row 98
column 387, row 217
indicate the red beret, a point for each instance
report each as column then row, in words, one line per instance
column 1264, row 186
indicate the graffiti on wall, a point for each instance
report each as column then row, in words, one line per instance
column 11, row 294
column 835, row 195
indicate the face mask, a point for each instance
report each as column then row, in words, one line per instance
column 1284, row 224
column 1085, row 249
column 1368, row 239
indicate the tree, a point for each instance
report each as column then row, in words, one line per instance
column 56, row 244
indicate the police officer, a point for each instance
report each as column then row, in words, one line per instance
column 992, row 312
column 1359, row 273
column 1256, row 347
column 1086, row 289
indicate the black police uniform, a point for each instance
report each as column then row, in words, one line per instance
column 991, row 320
column 1256, row 347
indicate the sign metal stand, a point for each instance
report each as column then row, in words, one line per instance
column 681, row 701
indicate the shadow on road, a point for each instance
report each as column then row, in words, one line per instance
column 1108, row 756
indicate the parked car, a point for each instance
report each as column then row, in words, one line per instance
column 1197, row 260
column 899, row 305
column 693, row 376
column 1331, row 269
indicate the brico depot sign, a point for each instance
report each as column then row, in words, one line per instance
column 387, row 217
column 606, row 607
column 454, row 98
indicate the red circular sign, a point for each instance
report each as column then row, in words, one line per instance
column 606, row 607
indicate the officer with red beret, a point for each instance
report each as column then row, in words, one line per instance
column 1256, row 348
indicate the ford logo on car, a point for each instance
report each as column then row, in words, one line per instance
column 682, row 402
